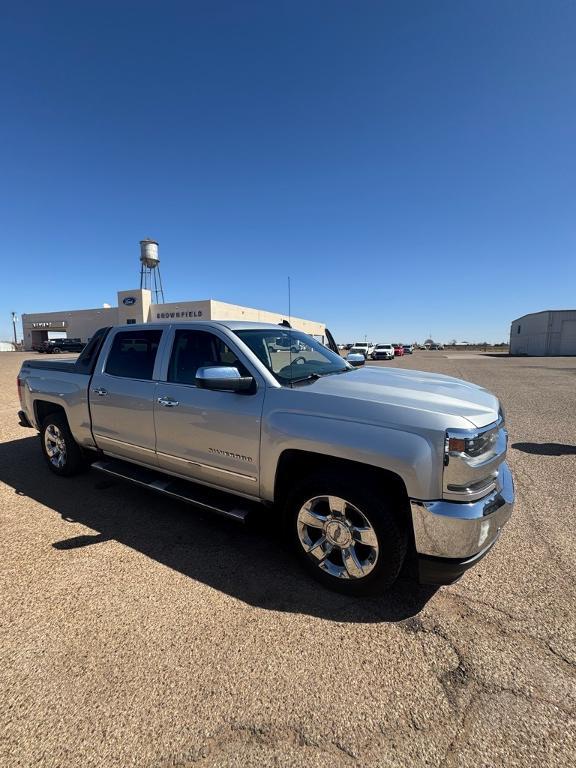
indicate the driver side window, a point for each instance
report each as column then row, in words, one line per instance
column 197, row 349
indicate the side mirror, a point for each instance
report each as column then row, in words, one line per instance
column 356, row 359
column 225, row 378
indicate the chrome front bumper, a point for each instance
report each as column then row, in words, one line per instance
column 448, row 529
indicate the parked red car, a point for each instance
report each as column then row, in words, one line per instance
column 398, row 350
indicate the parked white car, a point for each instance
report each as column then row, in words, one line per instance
column 383, row 352
column 286, row 343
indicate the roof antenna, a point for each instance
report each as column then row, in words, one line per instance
column 290, row 321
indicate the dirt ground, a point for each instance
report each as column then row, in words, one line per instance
column 140, row 632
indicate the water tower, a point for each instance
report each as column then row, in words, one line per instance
column 150, row 277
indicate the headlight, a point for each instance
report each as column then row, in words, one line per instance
column 480, row 445
column 472, row 459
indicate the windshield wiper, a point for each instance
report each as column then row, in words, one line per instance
column 344, row 370
column 314, row 376
column 340, row 370
column 310, row 377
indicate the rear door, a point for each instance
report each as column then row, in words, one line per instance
column 206, row 435
column 122, row 393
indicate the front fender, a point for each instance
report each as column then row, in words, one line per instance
column 413, row 457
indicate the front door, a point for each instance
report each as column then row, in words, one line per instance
column 205, row 435
column 122, row 396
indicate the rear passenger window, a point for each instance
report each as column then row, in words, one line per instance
column 133, row 354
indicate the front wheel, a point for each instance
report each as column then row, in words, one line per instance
column 62, row 453
column 349, row 538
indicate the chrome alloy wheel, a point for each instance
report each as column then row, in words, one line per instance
column 55, row 446
column 338, row 537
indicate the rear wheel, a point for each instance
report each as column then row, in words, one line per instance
column 347, row 537
column 62, row 453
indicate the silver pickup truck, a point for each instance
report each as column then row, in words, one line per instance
column 367, row 466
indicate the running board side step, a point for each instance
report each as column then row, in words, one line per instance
column 192, row 493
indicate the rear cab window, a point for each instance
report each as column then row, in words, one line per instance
column 133, row 354
column 86, row 360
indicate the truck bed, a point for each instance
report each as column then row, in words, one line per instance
column 57, row 365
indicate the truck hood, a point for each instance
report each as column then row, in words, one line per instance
column 419, row 390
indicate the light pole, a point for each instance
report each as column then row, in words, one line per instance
column 14, row 319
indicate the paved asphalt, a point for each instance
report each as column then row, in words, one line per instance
column 140, row 632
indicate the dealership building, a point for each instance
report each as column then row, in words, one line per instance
column 552, row 332
column 135, row 306
column 147, row 305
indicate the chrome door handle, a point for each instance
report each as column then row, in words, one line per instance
column 100, row 391
column 167, row 401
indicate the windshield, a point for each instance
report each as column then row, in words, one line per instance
column 292, row 356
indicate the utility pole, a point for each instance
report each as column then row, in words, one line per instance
column 14, row 319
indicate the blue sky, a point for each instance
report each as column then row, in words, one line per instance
column 411, row 165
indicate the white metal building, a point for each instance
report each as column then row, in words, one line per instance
column 136, row 307
column 552, row 332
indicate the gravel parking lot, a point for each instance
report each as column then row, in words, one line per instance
column 140, row 632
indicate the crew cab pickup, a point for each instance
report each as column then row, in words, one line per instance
column 56, row 346
column 368, row 467
column 365, row 348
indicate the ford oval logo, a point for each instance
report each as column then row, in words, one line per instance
column 129, row 300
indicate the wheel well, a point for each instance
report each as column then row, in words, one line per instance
column 43, row 408
column 292, row 463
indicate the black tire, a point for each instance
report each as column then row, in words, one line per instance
column 66, row 462
column 383, row 513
